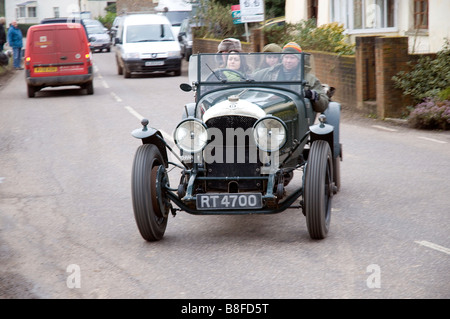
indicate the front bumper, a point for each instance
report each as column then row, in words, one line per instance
column 145, row 66
column 100, row 46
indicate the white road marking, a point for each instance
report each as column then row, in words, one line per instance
column 134, row 113
column 166, row 136
column 116, row 97
column 433, row 246
column 105, row 85
column 384, row 128
column 432, row 140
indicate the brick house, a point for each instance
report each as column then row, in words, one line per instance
column 424, row 22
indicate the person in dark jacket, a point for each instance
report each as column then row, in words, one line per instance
column 288, row 70
column 2, row 33
column 15, row 42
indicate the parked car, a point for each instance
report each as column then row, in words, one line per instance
column 145, row 43
column 241, row 141
column 115, row 26
column 99, row 39
column 176, row 18
column 186, row 37
column 95, row 22
column 57, row 55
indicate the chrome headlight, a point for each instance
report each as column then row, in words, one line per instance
column 270, row 133
column 191, row 135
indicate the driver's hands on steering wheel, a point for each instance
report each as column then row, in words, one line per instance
column 225, row 74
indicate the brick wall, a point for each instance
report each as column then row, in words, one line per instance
column 391, row 56
column 339, row 72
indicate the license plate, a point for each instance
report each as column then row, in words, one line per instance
column 229, row 201
column 45, row 69
column 154, row 63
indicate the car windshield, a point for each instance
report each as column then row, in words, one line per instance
column 176, row 17
column 216, row 71
column 149, row 33
column 94, row 29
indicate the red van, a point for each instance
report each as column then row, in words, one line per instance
column 57, row 55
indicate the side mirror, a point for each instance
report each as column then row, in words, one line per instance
column 185, row 87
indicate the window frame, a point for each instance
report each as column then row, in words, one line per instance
column 343, row 11
column 419, row 14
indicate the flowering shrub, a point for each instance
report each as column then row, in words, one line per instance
column 431, row 114
column 327, row 38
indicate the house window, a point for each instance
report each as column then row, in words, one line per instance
column 21, row 12
column 365, row 15
column 421, row 14
column 31, row 12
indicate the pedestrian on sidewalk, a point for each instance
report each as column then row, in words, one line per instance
column 15, row 42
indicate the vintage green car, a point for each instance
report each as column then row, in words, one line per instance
column 240, row 143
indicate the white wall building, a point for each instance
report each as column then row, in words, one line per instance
column 30, row 11
column 425, row 22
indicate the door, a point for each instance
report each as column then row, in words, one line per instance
column 72, row 50
column 43, row 53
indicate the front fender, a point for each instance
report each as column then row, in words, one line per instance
column 329, row 131
column 333, row 114
column 149, row 135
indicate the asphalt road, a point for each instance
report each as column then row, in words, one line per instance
column 67, row 228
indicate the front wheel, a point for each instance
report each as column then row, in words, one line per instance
column 150, row 219
column 318, row 189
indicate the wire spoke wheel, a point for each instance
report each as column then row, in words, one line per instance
column 150, row 220
column 318, row 189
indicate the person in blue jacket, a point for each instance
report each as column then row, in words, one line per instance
column 16, row 43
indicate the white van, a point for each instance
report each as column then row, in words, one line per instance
column 145, row 43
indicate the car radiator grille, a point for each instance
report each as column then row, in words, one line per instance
column 234, row 154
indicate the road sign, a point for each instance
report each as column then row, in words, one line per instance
column 236, row 14
column 252, row 10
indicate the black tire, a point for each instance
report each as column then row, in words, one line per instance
column 149, row 218
column 89, row 87
column 31, row 90
column 337, row 173
column 126, row 73
column 318, row 189
column 119, row 68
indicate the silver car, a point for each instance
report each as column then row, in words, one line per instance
column 99, row 39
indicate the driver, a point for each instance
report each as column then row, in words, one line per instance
column 226, row 46
column 288, row 70
column 237, row 63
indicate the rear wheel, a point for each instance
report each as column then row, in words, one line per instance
column 145, row 187
column 89, row 87
column 31, row 90
column 318, row 189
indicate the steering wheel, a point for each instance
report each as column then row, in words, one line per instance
column 220, row 75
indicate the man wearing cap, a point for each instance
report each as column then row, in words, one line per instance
column 288, row 70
